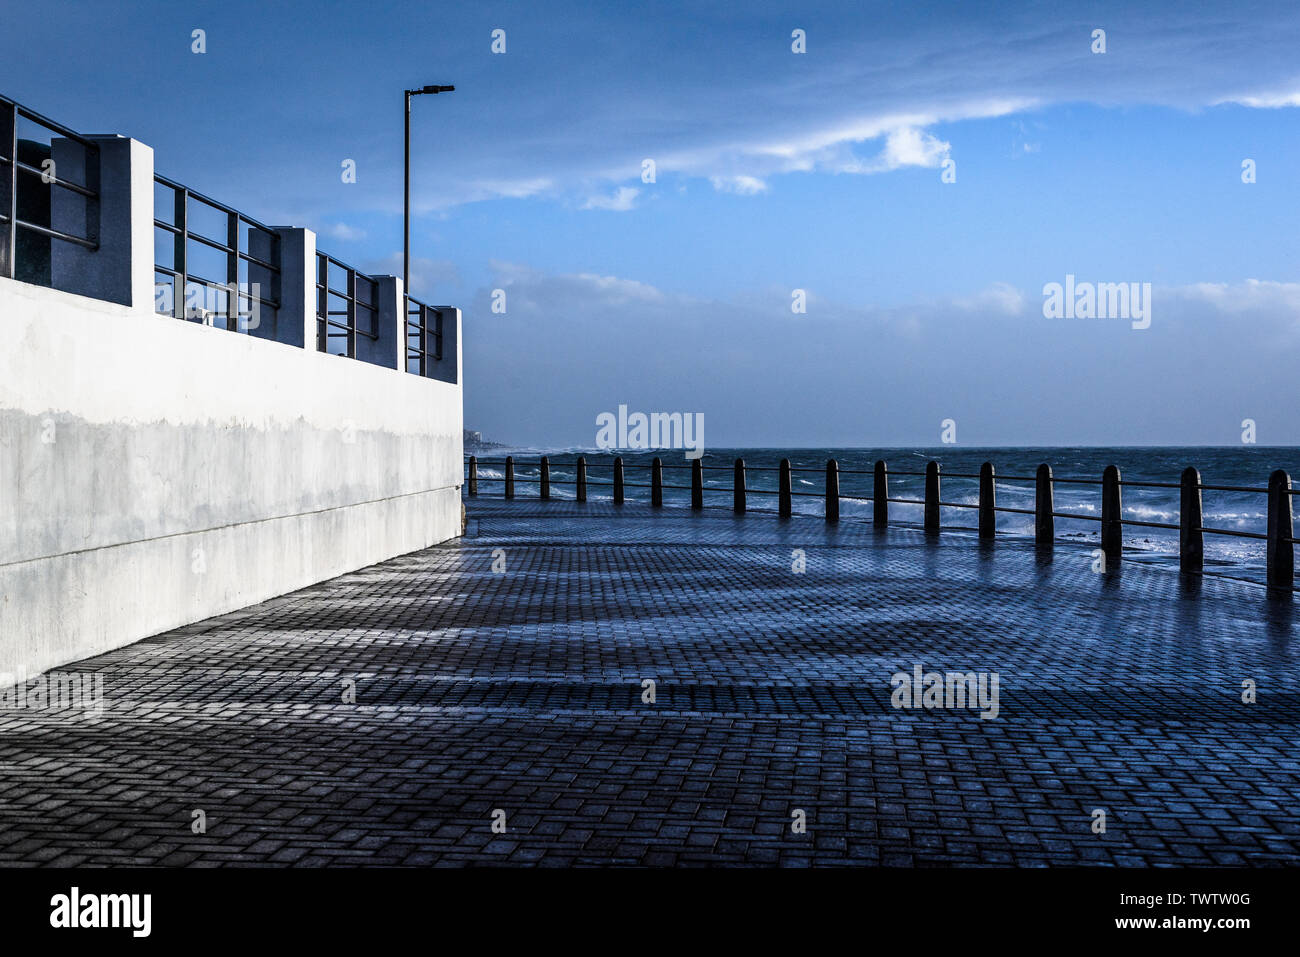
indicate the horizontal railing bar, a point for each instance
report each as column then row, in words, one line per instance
column 49, row 124
column 242, row 292
column 55, row 234
column 1084, row 518
column 1134, row 521
column 342, row 265
column 50, row 180
column 1235, row 534
column 215, row 204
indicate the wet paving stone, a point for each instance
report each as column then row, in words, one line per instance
column 520, row 691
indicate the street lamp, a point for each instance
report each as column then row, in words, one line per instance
column 406, row 199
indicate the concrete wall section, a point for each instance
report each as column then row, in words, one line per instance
column 155, row 472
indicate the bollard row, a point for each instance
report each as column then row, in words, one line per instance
column 1191, row 532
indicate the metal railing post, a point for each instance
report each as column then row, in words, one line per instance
column 1191, row 540
column 832, row 491
column 473, row 475
column 657, row 483
column 510, row 476
column 931, row 496
column 1281, row 551
column 9, row 190
column 1112, row 530
column 582, row 478
column 1044, row 520
column 738, row 487
column 618, row 480
column 546, row 478
column 783, row 503
column 988, row 502
column 697, row 484
column 880, row 495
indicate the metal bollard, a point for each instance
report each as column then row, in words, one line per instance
column 1112, row 531
column 1044, row 520
column 880, row 496
column 988, row 502
column 832, row 491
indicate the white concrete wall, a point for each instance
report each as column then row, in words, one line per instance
column 155, row 472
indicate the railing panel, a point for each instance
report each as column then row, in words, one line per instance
column 49, row 193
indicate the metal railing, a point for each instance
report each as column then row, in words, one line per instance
column 1279, row 539
column 343, row 314
column 250, row 262
column 212, row 263
column 32, row 214
column 423, row 337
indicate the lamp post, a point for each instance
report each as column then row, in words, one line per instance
column 406, row 198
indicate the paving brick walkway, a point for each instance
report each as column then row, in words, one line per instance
column 522, row 691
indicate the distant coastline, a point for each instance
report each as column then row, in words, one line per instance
column 474, row 442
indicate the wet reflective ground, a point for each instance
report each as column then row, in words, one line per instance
column 521, row 690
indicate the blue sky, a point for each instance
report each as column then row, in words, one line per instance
column 775, row 171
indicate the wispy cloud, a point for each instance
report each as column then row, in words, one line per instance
column 344, row 232
column 622, row 200
column 740, row 185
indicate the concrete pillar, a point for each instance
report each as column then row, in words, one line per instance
column 448, row 370
column 295, row 323
column 389, row 350
column 121, row 269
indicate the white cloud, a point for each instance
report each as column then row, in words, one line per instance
column 1252, row 295
column 741, row 185
column 1262, row 101
column 906, row 146
column 623, row 199
column 533, row 288
column 1000, row 298
column 429, row 277
column 344, row 232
